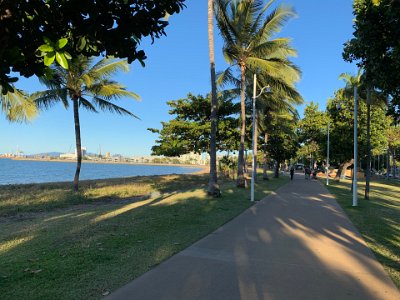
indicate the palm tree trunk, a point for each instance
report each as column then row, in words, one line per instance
column 213, row 188
column 368, row 175
column 241, row 182
column 78, row 144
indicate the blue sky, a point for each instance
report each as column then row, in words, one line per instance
column 178, row 64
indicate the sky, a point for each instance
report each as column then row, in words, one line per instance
column 178, row 64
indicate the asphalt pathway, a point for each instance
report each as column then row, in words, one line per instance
column 295, row 244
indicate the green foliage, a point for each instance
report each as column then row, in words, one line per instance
column 190, row 130
column 50, row 51
column 341, row 113
column 312, row 128
column 17, row 106
column 283, row 140
column 88, row 83
column 375, row 46
column 88, row 28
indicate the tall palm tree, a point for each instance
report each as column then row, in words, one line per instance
column 17, row 106
column 249, row 47
column 86, row 85
column 213, row 188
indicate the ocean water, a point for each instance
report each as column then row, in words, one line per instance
column 25, row 171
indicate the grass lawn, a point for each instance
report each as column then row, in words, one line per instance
column 377, row 219
column 57, row 244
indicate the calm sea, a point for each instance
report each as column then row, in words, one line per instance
column 24, row 171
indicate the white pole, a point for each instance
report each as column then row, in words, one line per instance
column 253, row 173
column 355, row 202
column 327, row 159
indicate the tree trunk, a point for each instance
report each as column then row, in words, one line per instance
column 213, row 188
column 265, row 174
column 276, row 175
column 387, row 164
column 342, row 168
column 394, row 163
column 368, row 175
column 78, row 144
column 240, row 181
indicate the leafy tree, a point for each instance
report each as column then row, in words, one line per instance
column 371, row 97
column 213, row 188
column 82, row 81
column 313, row 125
column 341, row 113
column 283, row 140
column 393, row 137
column 68, row 28
column 375, row 46
column 249, row 47
column 190, row 130
column 274, row 105
column 17, row 106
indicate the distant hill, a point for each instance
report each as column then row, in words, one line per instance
column 52, row 154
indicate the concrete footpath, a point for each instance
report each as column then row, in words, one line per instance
column 294, row 244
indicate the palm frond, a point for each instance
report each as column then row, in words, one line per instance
column 111, row 90
column 226, row 77
column 274, row 22
column 105, row 68
column 17, row 106
column 48, row 98
column 111, row 107
column 87, row 105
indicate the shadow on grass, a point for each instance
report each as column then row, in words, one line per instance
column 377, row 220
column 85, row 250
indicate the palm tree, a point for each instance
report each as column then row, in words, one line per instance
column 213, row 188
column 86, row 85
column 17, row 106
column 248, row 46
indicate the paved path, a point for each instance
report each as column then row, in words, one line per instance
column 295, row 244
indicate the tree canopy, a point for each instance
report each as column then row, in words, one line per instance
column 190, row 130
column 67, row 28
column 376, row 46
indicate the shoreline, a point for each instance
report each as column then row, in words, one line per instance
column 203, row 167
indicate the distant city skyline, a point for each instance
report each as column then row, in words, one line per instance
column 177, row 65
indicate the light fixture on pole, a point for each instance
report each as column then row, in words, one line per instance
column 254, row 171
column 327, row 159
column 355, row 194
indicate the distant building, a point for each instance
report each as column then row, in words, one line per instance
column 73, row 155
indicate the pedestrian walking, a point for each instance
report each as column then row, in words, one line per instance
column 291, row 172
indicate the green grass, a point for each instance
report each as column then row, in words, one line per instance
column 54, row 243
column 377, row 219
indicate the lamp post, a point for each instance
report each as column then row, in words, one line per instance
column 254, row 171
column 327, row 159
column 355, row 200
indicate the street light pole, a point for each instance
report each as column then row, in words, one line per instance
column 253, row 165
column 355, row 200
column 327, row 159
column 254, row 171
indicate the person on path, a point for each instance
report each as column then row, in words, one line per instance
column 291, row 172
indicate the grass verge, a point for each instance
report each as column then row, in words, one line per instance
column 377, row 219
column 83, row 246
